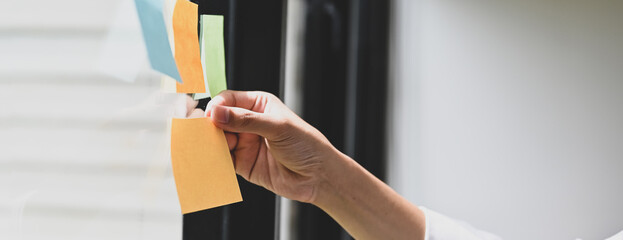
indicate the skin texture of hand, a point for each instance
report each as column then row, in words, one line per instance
column 270, row 145
column 274, row 148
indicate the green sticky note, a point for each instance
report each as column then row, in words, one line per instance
column 213, row 53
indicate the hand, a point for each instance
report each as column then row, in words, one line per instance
column 270, row 145
column 191, row 110
column 274, row 148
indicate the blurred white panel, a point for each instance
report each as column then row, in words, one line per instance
column 50, row 54
column 87, row 15
column 84, row 156
column 124, row 41
column 94, row 102
column 508, row 114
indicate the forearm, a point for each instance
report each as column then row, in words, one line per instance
column 365, row 206
column 296, row 161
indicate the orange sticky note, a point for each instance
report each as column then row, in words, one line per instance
column 202, row 165
column 187, row 54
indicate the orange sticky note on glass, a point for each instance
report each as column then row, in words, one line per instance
column 187, row 54
column 202, row 165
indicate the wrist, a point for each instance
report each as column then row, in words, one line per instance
column 334, row 174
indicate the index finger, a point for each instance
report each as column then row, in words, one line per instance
column 230, row 98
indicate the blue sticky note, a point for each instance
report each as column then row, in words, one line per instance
column 156, row 38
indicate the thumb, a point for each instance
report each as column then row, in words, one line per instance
column 233, row 119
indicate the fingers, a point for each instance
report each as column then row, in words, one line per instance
column 232, row 140
column 246, row 154
column 241, row 120
column 196, row 113
column 190, row 105
column 240, row 99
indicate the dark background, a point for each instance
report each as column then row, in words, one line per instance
column 344, row 96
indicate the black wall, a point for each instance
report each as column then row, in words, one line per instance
column 345, row 66
column 253, row 43
column 345, row 90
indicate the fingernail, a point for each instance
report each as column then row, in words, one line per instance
column 209, row 106
column 220, row 114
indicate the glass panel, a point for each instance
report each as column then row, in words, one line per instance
column 84, row 155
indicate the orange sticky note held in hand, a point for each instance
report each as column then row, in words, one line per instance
column 187, row 54
column 202, row 165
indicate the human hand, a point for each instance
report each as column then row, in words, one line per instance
column 274, row 148
column 270, row 145
column 191, row 110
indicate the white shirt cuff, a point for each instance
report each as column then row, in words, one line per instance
column 440, row 227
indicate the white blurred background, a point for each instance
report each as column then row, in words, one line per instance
column 83, row 155
column 509, row 114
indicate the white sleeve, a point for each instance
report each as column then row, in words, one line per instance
column 440, row 227
column 618, row 236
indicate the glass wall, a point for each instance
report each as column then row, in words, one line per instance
column 83, row 154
